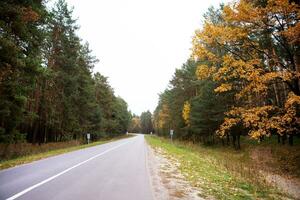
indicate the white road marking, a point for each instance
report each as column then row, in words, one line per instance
column 63, row 172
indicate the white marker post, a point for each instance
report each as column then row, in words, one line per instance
column 88, row 136
column 171, row 134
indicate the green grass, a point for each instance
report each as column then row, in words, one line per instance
column 37, row 156
column 217, row 171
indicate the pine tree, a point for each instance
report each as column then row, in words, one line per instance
column 21, row 37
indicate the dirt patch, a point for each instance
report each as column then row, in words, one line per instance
column 289, row 186
column 166, row 180
column 273, row 174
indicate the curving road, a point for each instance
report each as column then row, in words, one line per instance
column 112, row 171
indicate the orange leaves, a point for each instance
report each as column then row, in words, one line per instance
column 293, row 34
column 292, row 105
column 292, row 100
column 288, row 122
column 248, row 48
column 283, row 7
column 29, row 15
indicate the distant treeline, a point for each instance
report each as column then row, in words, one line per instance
column 141, row 124
column 48, row 92
column 243, row 77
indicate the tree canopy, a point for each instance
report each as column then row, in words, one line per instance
column 48, row 91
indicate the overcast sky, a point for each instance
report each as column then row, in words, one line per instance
column 139, row 42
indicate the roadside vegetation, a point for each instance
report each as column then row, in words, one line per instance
column 21, row 153
column 224, row 173
column 235, row 103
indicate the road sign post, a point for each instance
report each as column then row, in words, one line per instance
column 88, row 136
column 171, row 134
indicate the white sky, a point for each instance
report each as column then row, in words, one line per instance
column 139, row 42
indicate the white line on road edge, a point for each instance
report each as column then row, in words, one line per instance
column 63, row 172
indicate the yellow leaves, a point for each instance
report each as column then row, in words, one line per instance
column 224, row 87
column 233, row 68
column 255, row 116
column 186, row 112
column 250, row 71
column 243, row 11
column 163, row 116
column 269, row 76
column 286, row 75
column 256, row 134
column 204, row 72
column 257, row 119
column 226, row 125
column 219, row 34
column 199, row 52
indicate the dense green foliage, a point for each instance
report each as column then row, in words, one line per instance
column 206, row 108
column 146, row 122
column 47, row 89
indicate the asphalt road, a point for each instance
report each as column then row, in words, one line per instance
column 112, row 171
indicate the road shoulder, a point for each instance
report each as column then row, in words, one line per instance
column 166, row 180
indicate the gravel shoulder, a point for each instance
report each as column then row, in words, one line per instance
column 166, row 180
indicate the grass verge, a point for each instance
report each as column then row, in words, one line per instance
column 37, row 156
column 204, row 168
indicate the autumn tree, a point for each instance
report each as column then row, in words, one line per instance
column 135, row 124
column 259, row 58
column 162, row 116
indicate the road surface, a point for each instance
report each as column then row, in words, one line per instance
column 112, row 171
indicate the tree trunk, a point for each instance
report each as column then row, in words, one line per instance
column 228, row 139
column 278, row 103
column 238, row 141
column 291, row 140
column 234, row 140
column 283, row 139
